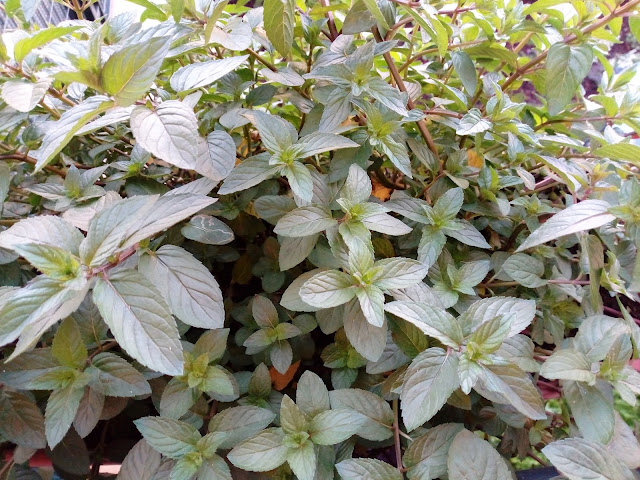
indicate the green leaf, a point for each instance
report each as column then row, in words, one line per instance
column 375, row 11
column 38, row 39
column 61, row 410
column 114, row 377
column 627, row 152
column 23, row 372
column 177, row 398
column 586, row 215
column 591, row 410
column 54, row 262
column 202, row 74
column 129, row 72
column 141, row 462
column 62, row 131
column 566, row 67
column 21, row 421
column 261, row 453
column 208, row 230
column 294, row 250
column 171, row 438
column 320, row 142
column 568, row 364
column 367, row 469
column 597, row 334
column 24, row 95
column 68, row 346
column 219, row 381
column 426, row 457
column 471, row 458
column 581, row 459
column 279, row 16
column 240, row 423
column 371, row 301
column 192, row 292
column 328, row 289
column 432, row 321
column 429, row 381
column 377, row 426
column 170, row 132
column 335, row 426
column 466, row 70
column 525, row 269
column 490, row 335
column 303, row 461
column 292, row 420
column 140, row 320
column 305, row 221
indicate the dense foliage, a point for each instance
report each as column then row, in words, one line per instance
column 411, row 218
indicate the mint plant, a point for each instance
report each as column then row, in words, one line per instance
column 366, row 240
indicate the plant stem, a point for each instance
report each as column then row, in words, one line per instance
column 396, row 436
column 26, row 158
column 422, row 126
column 332, row 24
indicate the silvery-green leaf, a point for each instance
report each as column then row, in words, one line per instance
column 240, row 423
column 489, row 308
column 89, row 411
column 597, row 334
column 303, row 461
column 112, row 116
column 432, row 321
column 509, row 384
column 168, row 210
column 45, row 230
column 367, row 469
column 568, row 364
column 328, row 289
column 466, row 70
column 291, row 299
column 110, row 226
column 115, row 377
column 335, row 426
column 141, row 462
column 190, row 289
column 170, row 132
column 371, row 301
column 312, row 395
column 591, row 410
column 430, row 379
column 24, row 95
column 465, row 233
column 292, row 420
column 368, row 340
column 471, row 458
column 41, row 37
column 320, row 142
column 235, row 36
column 400, row 273
column 294, row 250
column 62, row 406
column 248, row 173
column 378, row 413
column 426, row 457
column 336, row 110
column 207, row 229
column 216, row 155
column 525, row 269
column 582, row 459
column 624, row 444
column 60, row 133
column 21, row 421
column 196, row 75
column 172, row 438
column 300, row 180
column 472, row 123
column 285, row 76
column 586, row 215
column 490, row 335
column 129, row 72
column 431, row 244
column 385, row 223
column 261, row 453
column 140, row 320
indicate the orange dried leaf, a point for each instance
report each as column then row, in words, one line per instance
column 474, row 159
column 380, row 191
column 280, row 381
